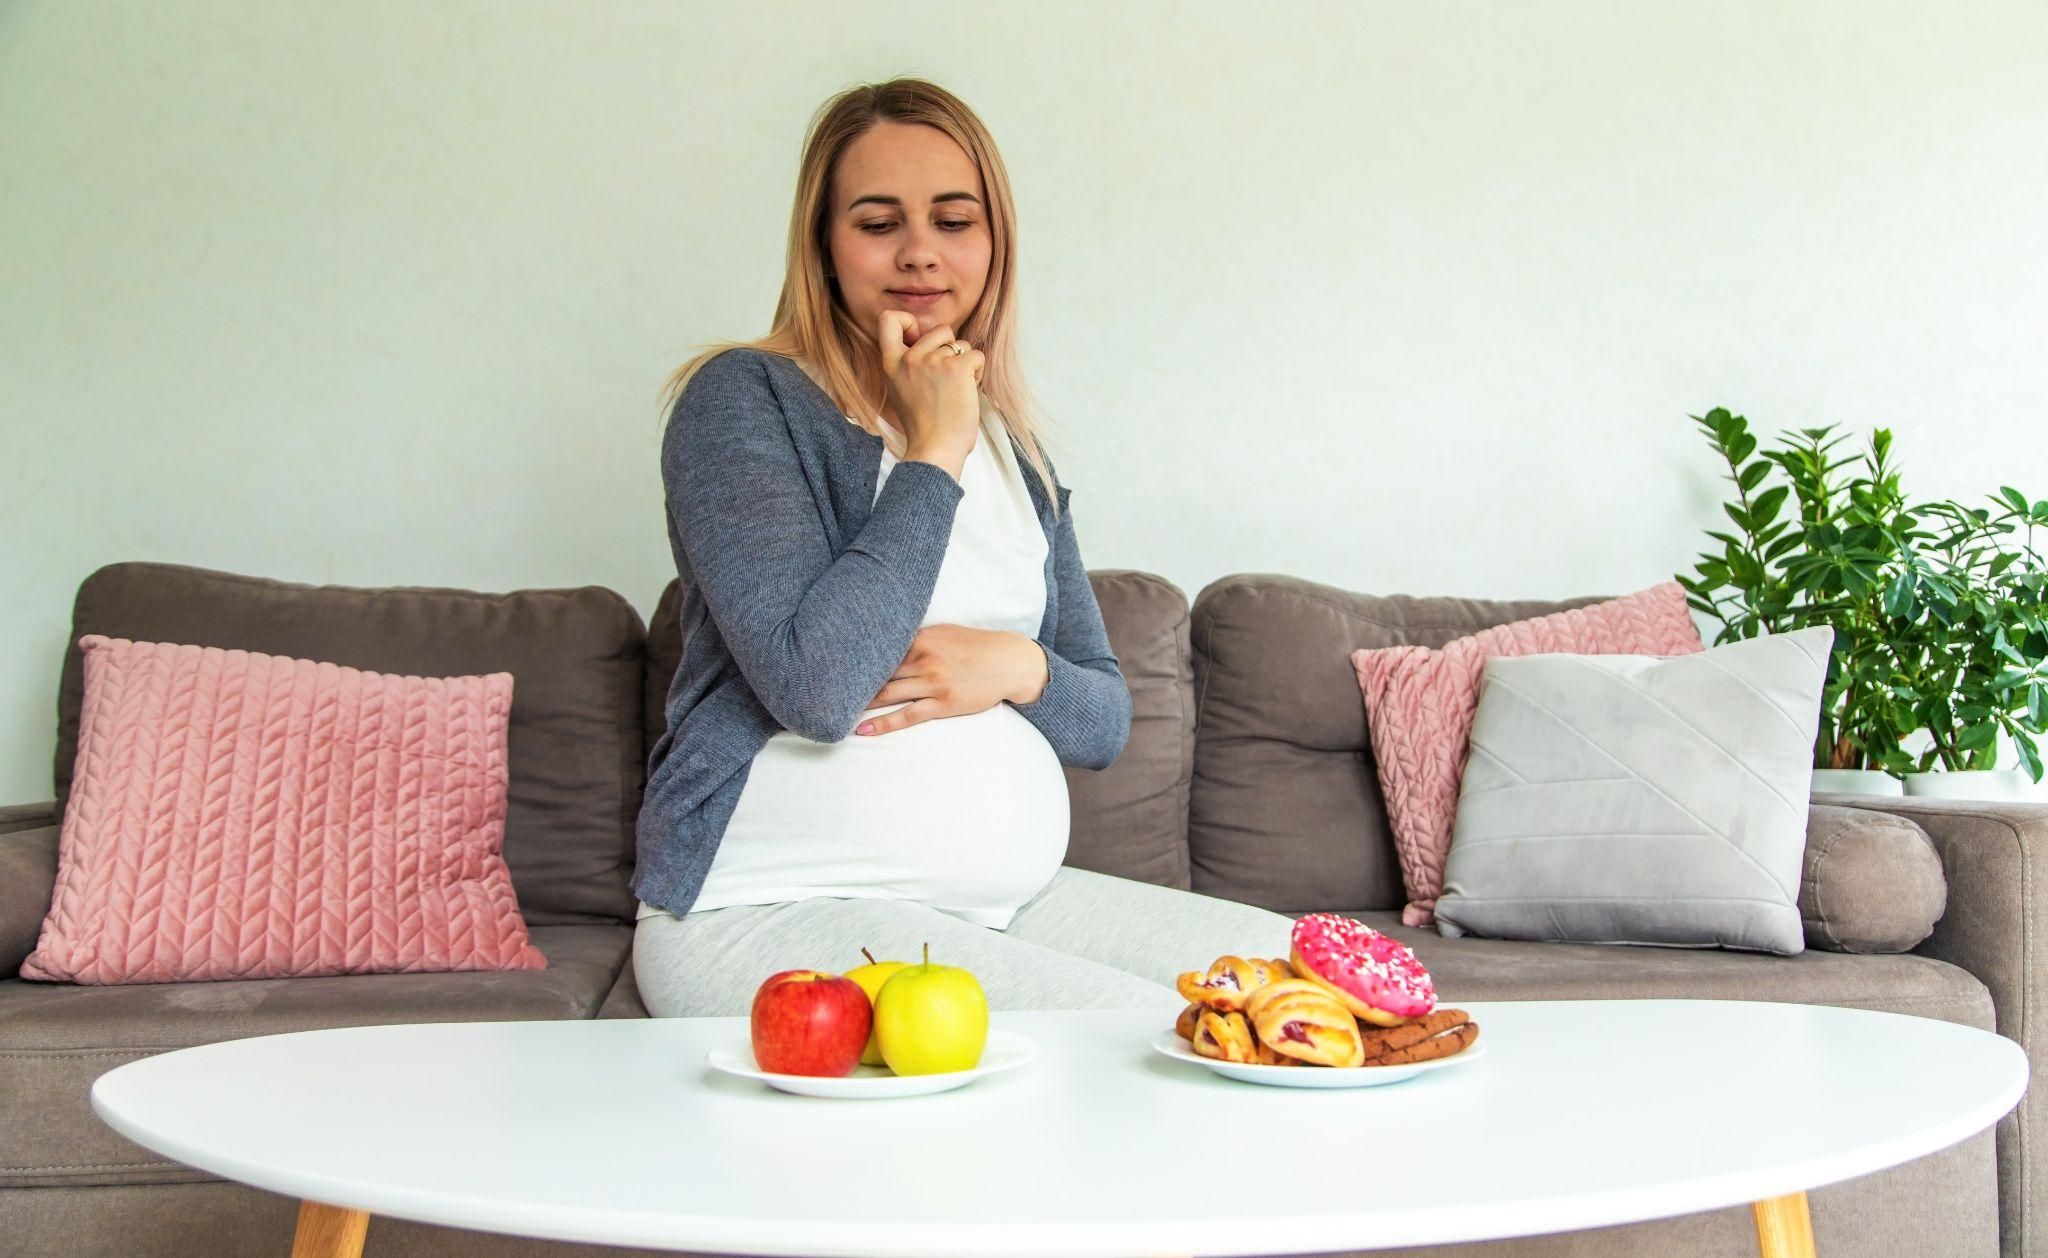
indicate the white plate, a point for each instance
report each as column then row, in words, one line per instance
column 1170, row 1044
column 1004, row 1050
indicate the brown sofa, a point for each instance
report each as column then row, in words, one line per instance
column 1248, row 775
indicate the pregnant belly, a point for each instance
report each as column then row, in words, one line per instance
column 967, row 813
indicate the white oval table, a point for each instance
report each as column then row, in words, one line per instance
column 1581, row 1114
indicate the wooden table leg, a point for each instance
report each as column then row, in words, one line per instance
column 1784, row 1229
column 329, row 1231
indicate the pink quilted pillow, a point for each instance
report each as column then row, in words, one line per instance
column 1419, row 705
column 238, row 815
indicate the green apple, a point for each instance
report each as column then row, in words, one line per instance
column 931, row 1019
column 871, row 977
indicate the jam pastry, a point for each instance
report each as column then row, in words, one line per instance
column 1229, row 1037
column 1224, row 1036
column 1299, row 1018
column 1230, row 980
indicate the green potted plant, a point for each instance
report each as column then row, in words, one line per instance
column 1970, row 638
column 1941, row 623
column 1827, row 562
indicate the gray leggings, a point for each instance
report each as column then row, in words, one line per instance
column 1087, row 941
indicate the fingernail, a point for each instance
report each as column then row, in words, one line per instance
column 865, row 727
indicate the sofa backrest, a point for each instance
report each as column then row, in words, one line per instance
column 1130, row 819
column 1285, row 806
column 577, row 659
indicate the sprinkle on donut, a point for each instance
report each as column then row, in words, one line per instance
column 1377, row 977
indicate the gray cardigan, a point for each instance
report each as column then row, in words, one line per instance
column 801, row 592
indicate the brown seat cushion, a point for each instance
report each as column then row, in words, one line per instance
column 577, row 658
column 1471, row 968
column 56, row 1038
column 1129, row 819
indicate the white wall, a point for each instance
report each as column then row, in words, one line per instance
column 1400, row 297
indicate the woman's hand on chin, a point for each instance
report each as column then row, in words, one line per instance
column 952, row 670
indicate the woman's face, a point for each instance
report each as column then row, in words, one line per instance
column 908, row 212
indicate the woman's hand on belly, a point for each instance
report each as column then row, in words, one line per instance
column 954, row 670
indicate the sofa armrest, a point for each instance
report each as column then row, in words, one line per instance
column 1994, row 854
column 27, row 816
column 28, row 880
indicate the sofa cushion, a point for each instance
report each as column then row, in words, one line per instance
column 241, row 815
column 1130, row 819
column 28, row 873
column 577, row 657
column 1872, row 882
column 624, row 999
column 1285, row 806
column 1420, row 704
column 1471, row 968
column 1639, row 799
column 56, row 1038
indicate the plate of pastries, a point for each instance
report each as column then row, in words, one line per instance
column 1348, row 1007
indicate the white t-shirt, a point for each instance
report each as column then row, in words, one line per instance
column 968, row 814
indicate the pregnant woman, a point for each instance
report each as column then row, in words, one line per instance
column 891, row 647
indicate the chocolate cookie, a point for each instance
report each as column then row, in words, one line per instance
column 1455, row 1040
column 1380, row 1040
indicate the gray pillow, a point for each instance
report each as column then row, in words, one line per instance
column 1640, row 799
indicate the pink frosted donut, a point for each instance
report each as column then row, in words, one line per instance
column 1377, row 978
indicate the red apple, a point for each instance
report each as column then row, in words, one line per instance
column 807, row 1022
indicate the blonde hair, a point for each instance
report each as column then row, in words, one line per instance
column 815, row 330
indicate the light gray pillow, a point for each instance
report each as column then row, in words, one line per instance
column 1640, row 799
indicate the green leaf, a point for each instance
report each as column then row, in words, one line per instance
column 1738, row 515
column 1898, row 596
column 2015, row 497
column 2002, row 646
column 1977, row 738
column 2030, row 756
column 1753, row 475
column 1740, row 447
column 1765, row 508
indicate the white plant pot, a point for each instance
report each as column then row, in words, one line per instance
column 1970, row 784
column 1857, row 782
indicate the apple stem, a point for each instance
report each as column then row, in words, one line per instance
column 869, row 955
column 927, row 956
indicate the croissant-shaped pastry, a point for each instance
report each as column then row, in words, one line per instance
column 1228, row 1037
column 1184, row 1026
column 1224, row 1036
column 1229, row 981
column 1299, row 1018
